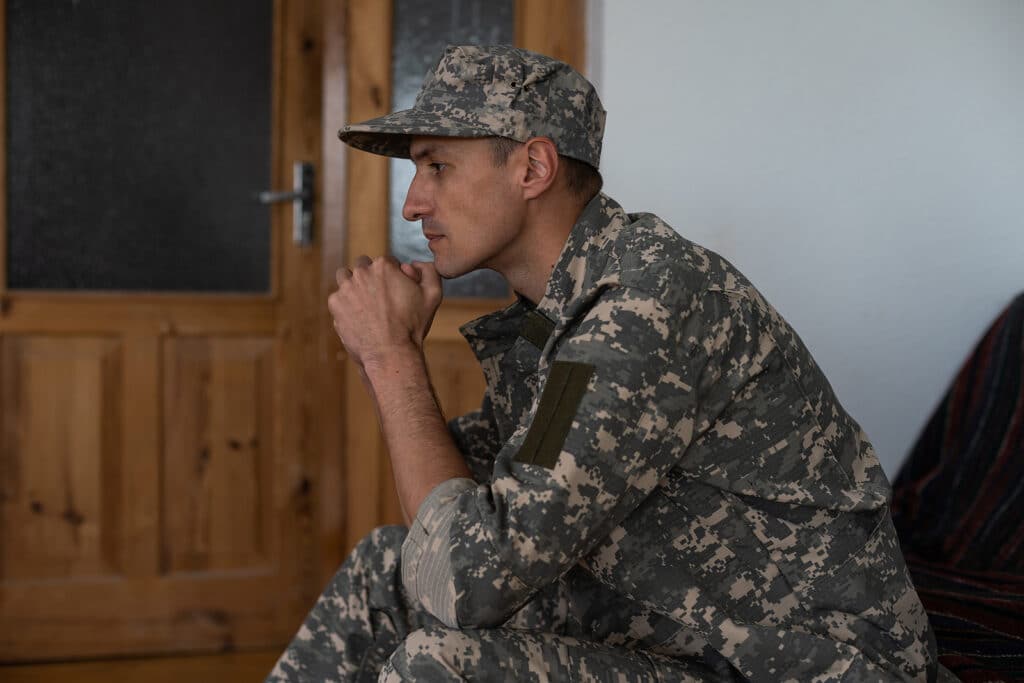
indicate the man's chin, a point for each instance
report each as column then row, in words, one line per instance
column 449, row 272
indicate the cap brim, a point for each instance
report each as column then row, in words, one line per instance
column 391, row 134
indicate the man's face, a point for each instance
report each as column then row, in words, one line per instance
column 471, row 211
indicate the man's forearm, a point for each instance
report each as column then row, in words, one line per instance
column 422, row 451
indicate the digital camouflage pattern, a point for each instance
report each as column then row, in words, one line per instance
column 364, row 627
column 493, row 91
column 709, row 473
column 358, row 621
column 707, row 510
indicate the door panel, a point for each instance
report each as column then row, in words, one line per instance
column 218, row 453
column 61, row 503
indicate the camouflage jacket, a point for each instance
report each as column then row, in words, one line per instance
column 655, row 423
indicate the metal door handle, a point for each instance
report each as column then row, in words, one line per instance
column 301, row 197
column 270, row 197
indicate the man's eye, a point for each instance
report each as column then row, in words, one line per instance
column 438, row 167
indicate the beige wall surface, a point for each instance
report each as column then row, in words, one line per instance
column 862, row 163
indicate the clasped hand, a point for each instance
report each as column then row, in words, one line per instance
column 382, row 306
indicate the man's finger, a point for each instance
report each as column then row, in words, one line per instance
column 430, row 280
column 411, row 272
column 342, row 274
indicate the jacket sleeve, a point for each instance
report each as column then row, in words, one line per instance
column 615, row 414
column 476, row 437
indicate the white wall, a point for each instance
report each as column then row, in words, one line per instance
column 862, row 163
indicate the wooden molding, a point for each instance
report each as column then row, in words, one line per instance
column 556, row 28
column 332, row 221
column 369, row 87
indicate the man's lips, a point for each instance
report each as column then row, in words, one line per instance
column 431, row 236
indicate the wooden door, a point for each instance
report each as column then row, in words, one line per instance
column 552, row 27
column 162, row 479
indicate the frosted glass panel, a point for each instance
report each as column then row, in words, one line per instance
column 137, row 135
column 422, row 28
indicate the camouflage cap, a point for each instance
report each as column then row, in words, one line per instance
column 501, row 91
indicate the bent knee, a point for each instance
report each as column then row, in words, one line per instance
column 434, row 653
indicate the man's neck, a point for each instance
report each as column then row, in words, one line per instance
column 538, row 249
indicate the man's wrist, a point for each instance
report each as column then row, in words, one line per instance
column 393, row 361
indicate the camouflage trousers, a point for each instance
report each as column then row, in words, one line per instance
column 364, row 628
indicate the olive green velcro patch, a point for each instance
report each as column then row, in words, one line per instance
column 563, row 392
column 536, row 328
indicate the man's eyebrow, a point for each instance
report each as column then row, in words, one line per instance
column 422, row 153
column 427, row 151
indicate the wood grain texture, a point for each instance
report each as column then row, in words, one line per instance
column 129, row 617
column 556, row 28
column 238, row 667
column 140, row 473
column 369, row 80
column 218, row 428
column 331, row 359
column 114, row 314
column 61, row 498
column 296, row 402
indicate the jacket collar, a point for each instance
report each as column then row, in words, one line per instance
column 584, row 260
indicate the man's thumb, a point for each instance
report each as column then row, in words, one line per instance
column 411, row 272
column 429, row 278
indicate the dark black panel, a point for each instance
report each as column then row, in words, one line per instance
column 422, row 29
column 137, row 134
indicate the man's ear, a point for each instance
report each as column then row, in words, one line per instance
column 542, row 166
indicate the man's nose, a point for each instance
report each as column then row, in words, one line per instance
column 416, row 201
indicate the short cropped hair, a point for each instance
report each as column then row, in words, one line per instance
column 583, row 180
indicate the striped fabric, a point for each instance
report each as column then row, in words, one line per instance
column 958, row 504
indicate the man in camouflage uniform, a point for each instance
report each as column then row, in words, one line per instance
column 660, row 484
